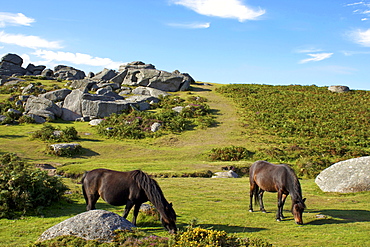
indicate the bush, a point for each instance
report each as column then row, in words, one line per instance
column 25, row 189
column 194, row 237
column 137, row 125
column 69, row 151
column 208, row 237
column 48, row 133
column 230, row 154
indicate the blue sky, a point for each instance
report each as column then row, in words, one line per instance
column 277, row 42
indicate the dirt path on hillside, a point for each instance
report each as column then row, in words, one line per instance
column 226, row 133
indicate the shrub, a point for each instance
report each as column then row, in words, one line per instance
column 137, row 124
column 230, row 154
column 25, row 189
column 69, row 151
column 208, row 237
column 48, row 133
column 194, row 237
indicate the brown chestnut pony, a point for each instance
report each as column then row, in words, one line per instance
column 265, row 176
column 127, row 188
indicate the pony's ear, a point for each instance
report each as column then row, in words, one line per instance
column 304, row 200
column 171, row 204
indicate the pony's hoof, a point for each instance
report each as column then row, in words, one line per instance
column 264, row 211
column 251, row 210
column 278, row 220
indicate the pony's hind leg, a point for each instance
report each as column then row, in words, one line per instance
column 252, row 193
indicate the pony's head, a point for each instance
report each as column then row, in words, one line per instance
column 297, row 210
column 169, row 219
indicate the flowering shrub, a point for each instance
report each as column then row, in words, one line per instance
column 200, row 237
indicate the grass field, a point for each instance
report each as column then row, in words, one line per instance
column 223, row 205
column 218, row 203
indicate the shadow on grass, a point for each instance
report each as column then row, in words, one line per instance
column 193, row 87
column 12, row 136
column 342, row 216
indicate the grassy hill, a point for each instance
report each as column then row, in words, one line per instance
column 272, row 122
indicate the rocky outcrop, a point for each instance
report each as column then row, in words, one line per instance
column 57, row 95
column 34, row 70
column 11, row 64
column 351, row 175
column 140, row 74
column 104, row 75
column 228, row 174
column 136, row 85
column 338, row 89
column 42, row 107
column 64, row 72
column 91, row 225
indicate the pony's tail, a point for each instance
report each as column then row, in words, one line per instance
column 83, row 187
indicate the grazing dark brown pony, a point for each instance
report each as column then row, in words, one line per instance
column 265, row 176
column 127, row 188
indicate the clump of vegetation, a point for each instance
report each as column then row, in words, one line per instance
column 230, row 154
column 49, row 133
column 192, row 236
column 11, row 117
column 310, row 127
column 197, row 236
column 134, row 124
column 68, row 151
column 25, row 189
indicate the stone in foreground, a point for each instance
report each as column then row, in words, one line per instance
column 90, row 225
column 347, row 176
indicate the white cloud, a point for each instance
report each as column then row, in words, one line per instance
column 234, row 9
column 15, row 19
column 307, row 49
column 316, row 57
column 361, row 37
column 352, row 53
column 76, row 58
column 194, row 25
column 30, row 41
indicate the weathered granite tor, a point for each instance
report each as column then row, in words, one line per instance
column 351, row 175
column 90, row 225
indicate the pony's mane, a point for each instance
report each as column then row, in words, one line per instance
column 151, row 189
column 295, row 189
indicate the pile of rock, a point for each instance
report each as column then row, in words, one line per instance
column 134, row 74
column 135, row 85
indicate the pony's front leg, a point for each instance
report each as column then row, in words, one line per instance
column 136, row 212
column 280, row 204
column 260, row 197
column 284, row 196
column 128, row 207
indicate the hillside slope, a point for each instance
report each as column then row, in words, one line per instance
column 185, row 152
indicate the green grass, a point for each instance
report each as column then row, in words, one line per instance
column 218, row 203
column 223, row 205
